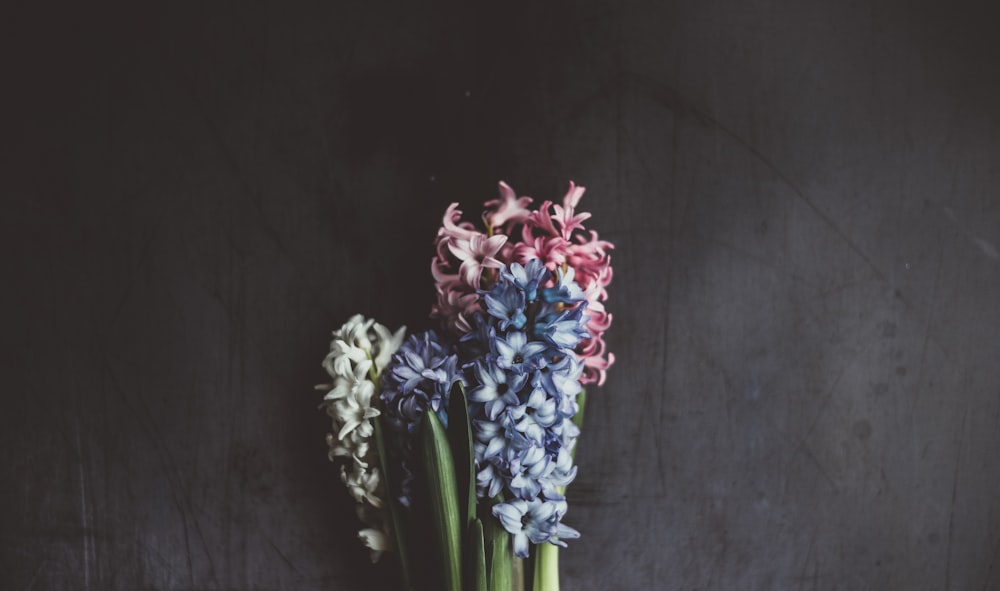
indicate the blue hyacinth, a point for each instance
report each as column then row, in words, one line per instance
column 506, row 304
column 526, row 278
column 536, row 521
column 419, row 377
column 523, row 382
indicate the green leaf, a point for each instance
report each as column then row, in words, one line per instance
column 460, row 437
column 442, row 499
column 398, row 528
column 475, row 556
column 499, row 554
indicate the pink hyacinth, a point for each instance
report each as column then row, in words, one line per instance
column 554, row 233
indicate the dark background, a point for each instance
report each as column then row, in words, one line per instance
column 804, row 197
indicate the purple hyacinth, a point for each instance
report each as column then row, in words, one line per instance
column 419, row 377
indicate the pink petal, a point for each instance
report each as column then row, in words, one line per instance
column 471, row 271
column 440, row 277
column 462, row 249
column 461, row 324
column 492, row 263
column 509, row 208
column 460, row 231
column 493, row 244
column 476, row 243
column 506, row 193
column 542, row 220
column 572, row 197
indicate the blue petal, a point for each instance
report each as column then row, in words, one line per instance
column 521, row 545
column 509, row 516
column 566, row 532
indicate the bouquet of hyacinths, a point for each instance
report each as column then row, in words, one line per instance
column 458, row 445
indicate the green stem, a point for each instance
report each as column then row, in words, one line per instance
column 398, row 533
column 396, row 520
column 546, row 556
column 546, row 568
column 517, row 576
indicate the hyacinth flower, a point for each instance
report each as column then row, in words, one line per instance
column 552, row 236
column 522, row 399
column 359, row 352
column 421, row 406
column 496, row 388
column 419, row 380
column 535, row 521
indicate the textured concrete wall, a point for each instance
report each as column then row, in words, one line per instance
column 804, row 199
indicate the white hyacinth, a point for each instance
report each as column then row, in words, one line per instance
column 360, row 350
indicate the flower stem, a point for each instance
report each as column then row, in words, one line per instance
column 546, row 568
column 517, row 574
column 398, row 532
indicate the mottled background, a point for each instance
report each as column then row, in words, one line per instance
column 806, row 202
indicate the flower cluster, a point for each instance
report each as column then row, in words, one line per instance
column 420, row 377
column 469, row 260
column 521, row 302
column 360, row 350
column 523, row 396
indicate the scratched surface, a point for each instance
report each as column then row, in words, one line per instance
column 806, row 206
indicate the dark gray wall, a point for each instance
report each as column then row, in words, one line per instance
column 804, row 199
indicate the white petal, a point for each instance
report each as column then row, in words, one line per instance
column 375, row 539
column 347, row 428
